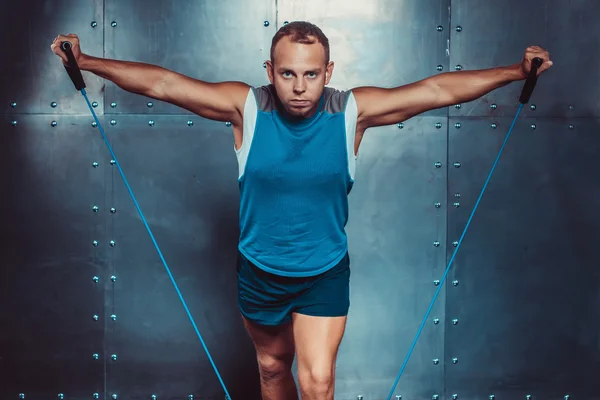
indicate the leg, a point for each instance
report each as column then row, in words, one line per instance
column 317, row 343
column 275, row 354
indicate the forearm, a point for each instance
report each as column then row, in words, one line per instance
column 133, row 77
column 464, row 86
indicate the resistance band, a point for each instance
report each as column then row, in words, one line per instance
column 523, row 99
column 75, row 75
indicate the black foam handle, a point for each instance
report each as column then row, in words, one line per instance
column 531, row 81
column 72, row 67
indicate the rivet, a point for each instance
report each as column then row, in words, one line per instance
column 14, row 123
column 400, row 125
column 113, row 24
column 435, row 397
column 398, row 397
column 437, row 205
column 227, row 123
column 112, row 162
column 113, row 317
column 95, row 356
column 96, row 395
column 436, row 243
column 458, row 67
column 150, row 104
column 533, row 126
column 94, row 124
column 264, row 65
column 493, row 106
column 114, row 396
column 438, row 164
column 438, row 125
column 459, row 28
column 436, row 282
column 567, row 397
column 21, row 395
column 457, row 125
column 151, row 123
column 113, row 278
column 571, row 127
column 53, row 123
column 53, row 104
column 112, row 243
column 191, row 397
column 457, row 106
column 440, row 28
column 95, row 208
column 266, row 23
column 455, row 321
column 494, row 125
column 457, row 195
column 61, row 396
column 436, row 321
column 454, row 396
column 440, row 67
column 96, row 279
column 154, row 397
column 528, row 397
column 456, row 205
column 113, row 104
column 532, row 107
column 190, row 123
column 455, row 360
column 113, row 357
column 94, row 24
column 359, row 397
column 96, row 317
column 436, row 361
column 95, row 164
column 113, row 210
column 285, row 22
column 571, row 107
column 113, row 122
column 457, row 165
column 13, row 104
column 491, row 397
column 95, row 243
column 455, row 282
column 454, row 244
column 95, row 104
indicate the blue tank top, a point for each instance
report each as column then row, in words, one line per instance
column 294, row 180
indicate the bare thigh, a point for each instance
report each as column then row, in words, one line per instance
column 274, row 344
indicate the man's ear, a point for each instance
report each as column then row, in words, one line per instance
column 329, row 72
column 269, row 65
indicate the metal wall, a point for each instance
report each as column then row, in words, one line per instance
column 88, row 310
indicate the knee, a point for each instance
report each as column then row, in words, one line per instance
column 274, row 368
column 316, row 380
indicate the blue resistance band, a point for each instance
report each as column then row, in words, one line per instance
column 525, row 95
column 77, row 78
column 75, row 75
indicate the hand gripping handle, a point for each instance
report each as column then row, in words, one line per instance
column 531, row 81
column 72, row 67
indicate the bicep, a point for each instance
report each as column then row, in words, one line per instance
column 221, row 101
column 383, row 106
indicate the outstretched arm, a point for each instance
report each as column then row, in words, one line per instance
column 382, row 106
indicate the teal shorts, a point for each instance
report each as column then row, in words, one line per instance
column 269, row 299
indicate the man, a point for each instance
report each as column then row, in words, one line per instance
column 296, row 142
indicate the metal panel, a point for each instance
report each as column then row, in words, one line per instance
column 49, row 299
column 527, row 271
column 208, row 40
column 185, row 181
column 32, row 76
column 498, row 33
column 393, row 225
column 379, row 42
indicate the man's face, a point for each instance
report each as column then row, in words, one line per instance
column 299, row 75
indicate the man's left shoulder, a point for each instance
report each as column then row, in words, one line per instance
column 336, row 100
